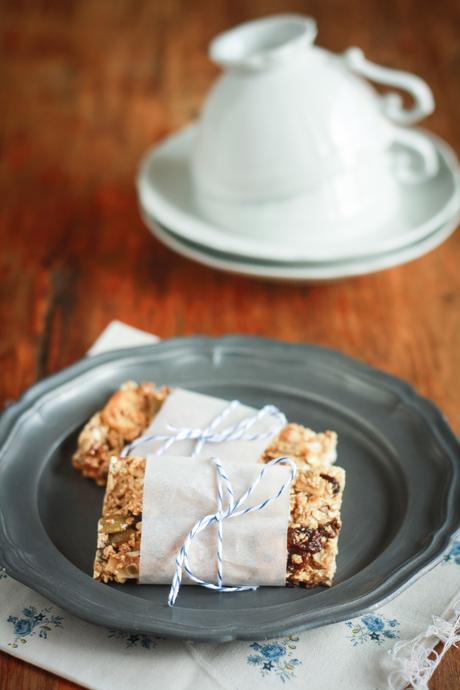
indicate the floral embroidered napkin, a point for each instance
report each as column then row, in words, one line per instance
column 387, row 648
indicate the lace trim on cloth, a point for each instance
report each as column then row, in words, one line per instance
column 416, row 659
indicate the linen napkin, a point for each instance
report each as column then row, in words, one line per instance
column 386, row 648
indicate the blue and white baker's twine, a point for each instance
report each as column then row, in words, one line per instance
column 233, row 510
column 210, row 434
column 237, row 432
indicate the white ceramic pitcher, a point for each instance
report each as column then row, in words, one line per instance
column 291, row 120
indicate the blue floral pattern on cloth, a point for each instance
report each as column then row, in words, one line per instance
column 453, row 555
column 275, row 657
column 133, row 640
column 33, row 622
column 372, row 627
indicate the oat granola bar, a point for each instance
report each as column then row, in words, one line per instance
column 307, row 448
column 312, row 536
column 125, row 416
column 131, row 409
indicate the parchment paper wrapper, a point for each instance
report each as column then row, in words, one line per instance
column 183, row 408
column 178, row 491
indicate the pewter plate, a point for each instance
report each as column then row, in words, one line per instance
column 401, row 503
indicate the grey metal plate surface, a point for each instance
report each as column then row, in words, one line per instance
column 401, row 503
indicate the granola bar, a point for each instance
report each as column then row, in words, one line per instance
column 307, row 448
column 312, row 537
column 125, row 416
column 314, row 526
column 130, row 411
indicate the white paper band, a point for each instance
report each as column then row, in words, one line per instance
column 193, row 424
column 179, row 492
column 234, row 509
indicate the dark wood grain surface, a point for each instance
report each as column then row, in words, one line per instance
column 87, row 86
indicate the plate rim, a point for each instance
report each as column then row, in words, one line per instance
column 19, row 567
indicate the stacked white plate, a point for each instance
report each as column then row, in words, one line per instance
column 425, row 215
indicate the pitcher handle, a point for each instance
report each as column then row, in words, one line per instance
column 418, row 161
column 392, row 103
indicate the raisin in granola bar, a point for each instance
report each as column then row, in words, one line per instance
column 312, row 536
column 125, row 417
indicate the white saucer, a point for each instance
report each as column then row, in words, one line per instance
column 314, row 272
column 166, row 193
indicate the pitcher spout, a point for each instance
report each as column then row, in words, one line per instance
column 263, row 43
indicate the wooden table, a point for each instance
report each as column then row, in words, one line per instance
column 87, row 87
